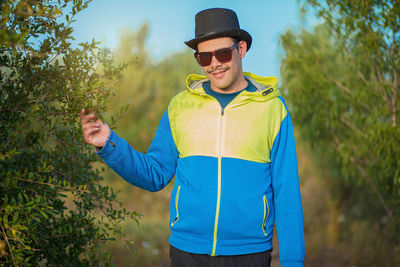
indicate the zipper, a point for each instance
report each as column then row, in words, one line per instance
column 266, row 213
column 220, row 143
column 176, row 206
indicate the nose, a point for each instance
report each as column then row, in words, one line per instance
column 214, row 62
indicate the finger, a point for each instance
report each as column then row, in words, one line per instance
column 90, row 125
column 95, row 127
column 82, row 113
column 89, row 132
column 87, row 118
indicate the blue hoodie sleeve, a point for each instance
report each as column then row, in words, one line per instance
column 287, row 198
column 151, row 171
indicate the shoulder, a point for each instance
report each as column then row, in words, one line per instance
column 281, row 104
column 182, row 94
column 276, row 107
column 179, row 99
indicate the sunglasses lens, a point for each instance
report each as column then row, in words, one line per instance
column 224, row 55
column 204, row 58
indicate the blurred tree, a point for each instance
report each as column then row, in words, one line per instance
column 343, row 83
column 53, row 209
column 147, row 86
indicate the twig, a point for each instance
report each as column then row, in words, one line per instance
column 105, row 87
column 17, row 131
column 378, row 89
column 341, row 86
column 6, row 238
column 355, row 62
column 58, row 40
column 51, row 185
column 335, row 137
column 352, row 126
column 363, row 174
column 395, row 88
column 39, row 120
column 370, row 181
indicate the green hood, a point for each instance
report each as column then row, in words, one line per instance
column 266, row 86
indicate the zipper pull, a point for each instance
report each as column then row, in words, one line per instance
column 222, row 112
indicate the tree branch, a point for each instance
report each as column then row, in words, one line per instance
column 17, row 131
column 371, row 183
column 351, row 125
column 363, row 174
column 59, row 38
column 395, row 89
column 378, row 87
column 341, row 86
column 54, row 185
column 347, row 91
column 362, row 77
column 8, row 243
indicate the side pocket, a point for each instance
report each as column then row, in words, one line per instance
column 176, row 206
column 266, row 213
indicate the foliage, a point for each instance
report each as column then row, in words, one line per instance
column 53, row 208
column 344, row 87
column 343, row 82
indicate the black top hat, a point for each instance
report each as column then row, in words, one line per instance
column 218, row 22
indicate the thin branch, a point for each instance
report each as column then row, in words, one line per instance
column 17, row 131
column 351, row 125
column 105, row 87
column 371, row 183
column 65, row 145
column 335, row 137
column 347, row 91
column 19, row 240
column 11, row 109
column 54, row 185
column 8, row 243
column 379, row 89
column 341, row 86
column 59, row 38
column 355, row 63
column 363, row 174
column 395, row 89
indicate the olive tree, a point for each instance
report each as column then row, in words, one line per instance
column 54, row 209
column 343, row 80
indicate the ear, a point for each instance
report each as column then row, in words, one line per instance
column 242, row 48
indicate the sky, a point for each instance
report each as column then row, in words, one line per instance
column 171, row 22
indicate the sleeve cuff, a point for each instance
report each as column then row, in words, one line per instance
column 109, row 145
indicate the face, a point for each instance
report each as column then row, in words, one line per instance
column 224, row 77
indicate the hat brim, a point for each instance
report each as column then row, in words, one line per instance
column 235, row 33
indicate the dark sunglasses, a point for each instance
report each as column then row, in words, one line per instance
column 223, row 55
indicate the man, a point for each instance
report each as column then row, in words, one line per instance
column 228, row 140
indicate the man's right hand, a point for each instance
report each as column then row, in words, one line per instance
column 95, row 132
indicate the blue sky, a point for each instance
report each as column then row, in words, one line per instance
column 172, row 22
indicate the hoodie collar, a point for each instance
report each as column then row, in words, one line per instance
column 266, row 86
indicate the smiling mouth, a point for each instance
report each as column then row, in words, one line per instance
column 218, row 73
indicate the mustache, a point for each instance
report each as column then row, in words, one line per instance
column 218, row 69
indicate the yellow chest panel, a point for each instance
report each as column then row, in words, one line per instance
column 246, row 129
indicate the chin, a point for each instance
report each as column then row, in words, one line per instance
column 221, row 84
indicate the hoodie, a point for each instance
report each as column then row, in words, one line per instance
column 235, row 171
